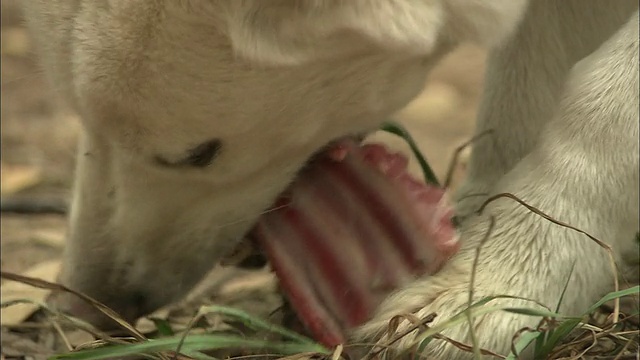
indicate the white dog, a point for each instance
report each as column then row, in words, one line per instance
column 197, row 113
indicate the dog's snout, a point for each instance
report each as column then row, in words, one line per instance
column 136, row 304
column 128, row 307
column 131, row 306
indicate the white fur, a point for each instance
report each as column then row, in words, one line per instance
column 275, row 80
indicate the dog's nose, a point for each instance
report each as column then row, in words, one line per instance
column 127, row 307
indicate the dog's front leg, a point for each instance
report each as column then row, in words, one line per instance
column 583, row 172
column 524, row 80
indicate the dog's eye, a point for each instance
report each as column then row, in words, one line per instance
column 200, row 156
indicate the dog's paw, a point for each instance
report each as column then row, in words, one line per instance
column 525, row 262
column 437, row 305
column 400, row 327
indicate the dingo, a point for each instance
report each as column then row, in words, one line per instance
column 198, row 113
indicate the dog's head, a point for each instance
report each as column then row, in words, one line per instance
column 197, row 114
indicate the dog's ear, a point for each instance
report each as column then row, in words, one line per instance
column 285, row 32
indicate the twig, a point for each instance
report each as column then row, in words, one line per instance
column 467, row 348
column 426, row 320
column 60, row 332
column 594, row 336
column 456, row 155
column 626, row 346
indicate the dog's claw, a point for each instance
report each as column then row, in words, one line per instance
column 349, row 231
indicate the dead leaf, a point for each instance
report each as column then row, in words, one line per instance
column 10, row 290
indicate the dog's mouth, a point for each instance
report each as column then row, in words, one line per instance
column 354, row 226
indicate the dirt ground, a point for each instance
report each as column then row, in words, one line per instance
column 38, row 142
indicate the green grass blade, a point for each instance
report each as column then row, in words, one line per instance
column 525, row 340
column 456, row 320
column 423, row 345
column 477, row 309
column 545, row 338
column 566, row 285
column 534, row 312
column 198, row 355
column 613, row 295
column 257, row 324
column 163, row 326
column 486, row 299
column 553, row 337
column 399, row 130
column 559, row 333
column 191, row 344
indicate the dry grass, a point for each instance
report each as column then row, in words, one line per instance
column 215, row 332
